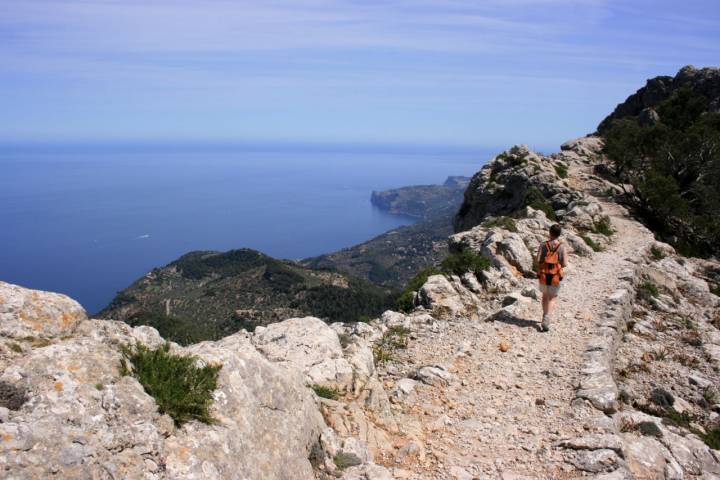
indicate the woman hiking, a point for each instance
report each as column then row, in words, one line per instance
column 551, row 260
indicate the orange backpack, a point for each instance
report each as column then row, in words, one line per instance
column 550, row 272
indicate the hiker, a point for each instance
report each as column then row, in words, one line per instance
column 551, row 260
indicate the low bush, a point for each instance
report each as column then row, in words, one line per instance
column 404, row 302
column 180, row 388
column 502, row 222
column 603, row 227
column 393, row 339
column 711, row 437
column 656, row 253
column 562, row 170
column 345, row 460
column 464, row 262
column 592, row 243
column 453, row 264
column 649, row 289
column 534, row 198
column 326, row 392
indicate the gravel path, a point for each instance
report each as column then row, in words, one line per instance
column 504, row 411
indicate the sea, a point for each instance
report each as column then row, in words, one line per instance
column 88, row 220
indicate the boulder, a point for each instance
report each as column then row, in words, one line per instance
column 433, row 375
column 448, row 298
column 648, row 458
column 309, row 345
column 584, row 146
column 26, row 313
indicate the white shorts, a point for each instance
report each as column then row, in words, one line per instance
column 551, row 290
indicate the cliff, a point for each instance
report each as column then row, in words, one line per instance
column 422, row 201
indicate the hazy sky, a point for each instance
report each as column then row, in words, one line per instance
column 451, row 72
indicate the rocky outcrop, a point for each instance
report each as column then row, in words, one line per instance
column 447, row 297
column 67, row 411
column 704, row 81
column 313, row 347
column 44, row 315
column 511, row 181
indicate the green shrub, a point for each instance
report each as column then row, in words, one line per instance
column 393, row 339
column 180, row 388
column 603, row 227
column 345, row 460
column 711, row 437
column 656, row 253
column 534, row 198
column 404, row 301
column 326, row 392
column 715, row 290
column 649, row 289
column 453, row 264
column 338, row 304
column 184, row 331
column 592, row 243
column 674, row 169
column 15, row 347
column 562, row 170
column 464, row 262
column 507, row 223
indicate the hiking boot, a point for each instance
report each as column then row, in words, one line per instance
column 545, row 325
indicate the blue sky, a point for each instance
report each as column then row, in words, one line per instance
column 444, row 72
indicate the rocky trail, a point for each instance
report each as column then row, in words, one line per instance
column 501, row 412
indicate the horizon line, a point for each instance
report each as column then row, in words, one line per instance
column 131, row 144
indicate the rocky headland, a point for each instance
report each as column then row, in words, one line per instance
column 423, row 201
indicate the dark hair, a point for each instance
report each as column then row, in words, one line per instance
column 555, row 231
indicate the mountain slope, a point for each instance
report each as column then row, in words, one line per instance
column 209, row 295
column 393, row 258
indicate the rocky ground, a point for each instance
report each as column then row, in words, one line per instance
column 463, row 387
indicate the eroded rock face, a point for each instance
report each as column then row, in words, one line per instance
column 82, row 419
column 309, row 345
column 446, row 297
column 28, row 313
column 511, row 181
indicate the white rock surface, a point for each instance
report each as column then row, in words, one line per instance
column 311, row 346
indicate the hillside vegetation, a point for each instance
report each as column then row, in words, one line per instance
column 673, row 165
column 209, row 295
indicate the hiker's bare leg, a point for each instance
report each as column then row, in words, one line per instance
column 551, row 304
column 545, row 304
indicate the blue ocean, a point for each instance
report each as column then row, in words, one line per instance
column 87, row 221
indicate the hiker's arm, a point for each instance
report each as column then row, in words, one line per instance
column 563, row 256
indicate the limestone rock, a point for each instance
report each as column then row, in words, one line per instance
column 367, row 472
column 82, row 419
column 309, row 345
column 33, row 313
column 448, row 298
column 647, row 458
column 584, row 146
column 507, row 183
column 433, row 375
